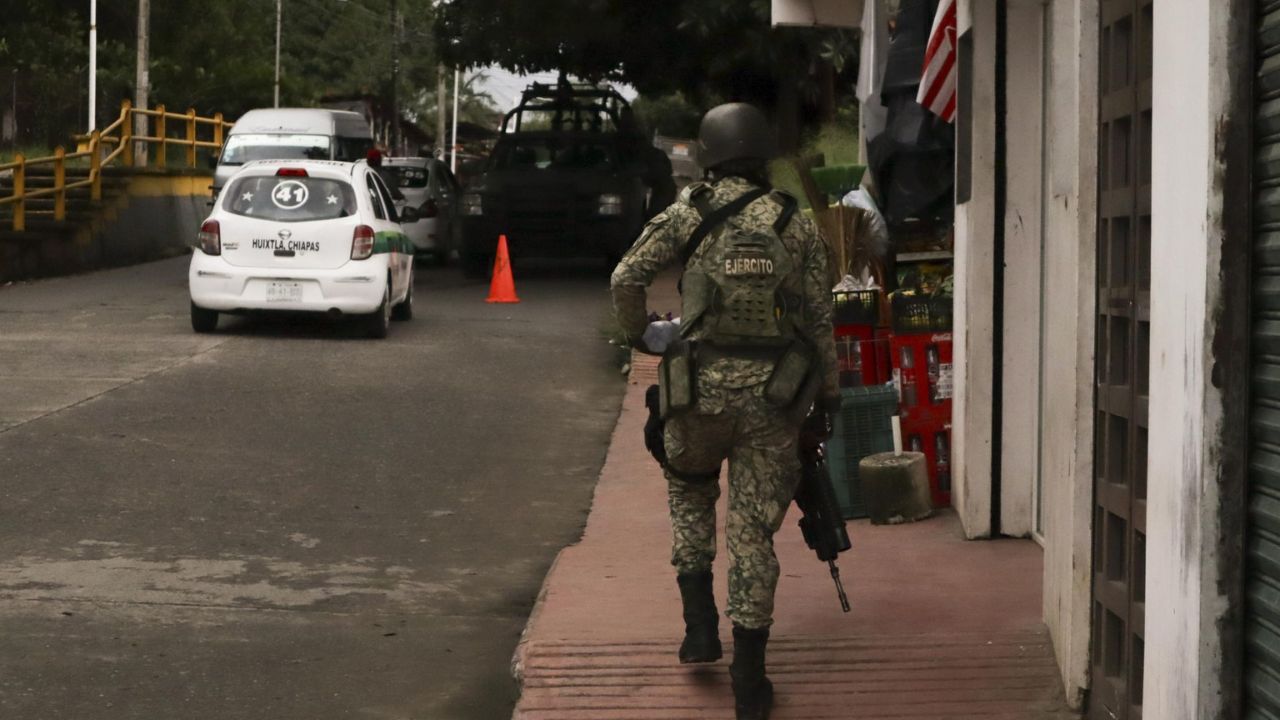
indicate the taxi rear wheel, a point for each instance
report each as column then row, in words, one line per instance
column 404, row 311
column 377, row 323
column 202, row 320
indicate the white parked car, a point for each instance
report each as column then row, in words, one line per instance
column 427, row 185
column 303, row 236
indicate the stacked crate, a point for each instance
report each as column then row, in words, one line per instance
column 862, row 352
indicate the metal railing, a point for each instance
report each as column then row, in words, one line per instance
column 120, row 135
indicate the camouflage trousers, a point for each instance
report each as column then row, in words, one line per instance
column 738, row 425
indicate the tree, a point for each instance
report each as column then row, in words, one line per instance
column 710, row 50
column 671, row 115
column 474, row 104
column 213, row 56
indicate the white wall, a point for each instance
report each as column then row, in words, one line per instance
column 1049, row 312
column 1190, row 96
column 974, row 278
column 1069, row 279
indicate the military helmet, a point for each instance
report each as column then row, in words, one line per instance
column 735, row 131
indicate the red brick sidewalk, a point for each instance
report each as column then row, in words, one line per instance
column 940, row 628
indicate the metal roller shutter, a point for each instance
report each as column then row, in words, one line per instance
column 1262, row 617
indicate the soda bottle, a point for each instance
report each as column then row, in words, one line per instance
column 943, row 463
column 934, row 370
column 908, row 359
column 855, row 356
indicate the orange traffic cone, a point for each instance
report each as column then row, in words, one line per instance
column 502, row 289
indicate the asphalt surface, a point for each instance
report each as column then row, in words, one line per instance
column 283, row 519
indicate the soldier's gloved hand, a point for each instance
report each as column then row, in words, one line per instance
column 654, row 441
column 816, row 428
column 637, row 343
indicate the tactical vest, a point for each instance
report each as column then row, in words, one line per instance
column 732, row 294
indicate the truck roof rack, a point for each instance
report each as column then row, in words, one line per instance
column 566, row 107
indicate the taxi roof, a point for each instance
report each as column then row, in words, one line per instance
column 320, row 168
column 409, row 161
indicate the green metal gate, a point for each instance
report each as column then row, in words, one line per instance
column 1262, row 547
column 1123, row 331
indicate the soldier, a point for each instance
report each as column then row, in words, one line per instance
column 755, row 331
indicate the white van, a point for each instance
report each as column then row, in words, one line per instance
column 293, row 134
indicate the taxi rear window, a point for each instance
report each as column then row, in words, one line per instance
column 273, row 146
column 289, row 199
column 405, row 176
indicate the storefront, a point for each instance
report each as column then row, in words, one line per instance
column 1102, row 289
column 1111, row 279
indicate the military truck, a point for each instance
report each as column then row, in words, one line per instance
column 563, row 180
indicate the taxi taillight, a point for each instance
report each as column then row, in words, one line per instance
column 430, row 209
column 210, row 238
column 362, row 243
column 291, row 172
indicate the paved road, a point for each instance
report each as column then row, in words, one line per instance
column 284, row 520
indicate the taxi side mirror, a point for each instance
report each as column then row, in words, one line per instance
column 408, row 214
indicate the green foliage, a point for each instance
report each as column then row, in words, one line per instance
column 837, row 143
column 36, row 42
column 474, row 104
column 213, row 55
column 671, row 115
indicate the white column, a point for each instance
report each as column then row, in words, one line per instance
column 1024, row 239
column 1069, row 287
column 1192, row 83
column 974, row 280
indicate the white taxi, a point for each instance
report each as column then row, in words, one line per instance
column 304, row 236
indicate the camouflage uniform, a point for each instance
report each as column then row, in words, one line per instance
column 732, row 420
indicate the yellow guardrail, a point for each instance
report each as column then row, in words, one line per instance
column 119, row 134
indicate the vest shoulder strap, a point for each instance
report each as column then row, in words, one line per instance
column 789, row 207
column 711, row 219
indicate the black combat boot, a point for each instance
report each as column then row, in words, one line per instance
column 752, row 691
column 701, row 619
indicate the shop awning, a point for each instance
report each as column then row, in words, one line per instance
column 818, row 13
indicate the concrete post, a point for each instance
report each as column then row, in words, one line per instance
column 142, row 85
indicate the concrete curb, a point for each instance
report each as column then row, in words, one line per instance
column 521, row 651
column 520, row 654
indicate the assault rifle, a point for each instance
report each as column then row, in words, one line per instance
column 822, row 524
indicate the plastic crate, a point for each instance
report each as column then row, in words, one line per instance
column 915, row 314
column 863, row 427
column 857, row 307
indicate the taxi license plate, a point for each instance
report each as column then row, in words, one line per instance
column 284, row 292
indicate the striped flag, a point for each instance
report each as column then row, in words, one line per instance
column 938, row 82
